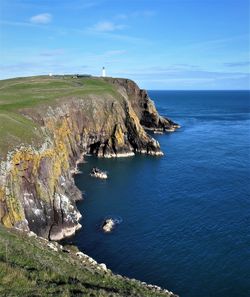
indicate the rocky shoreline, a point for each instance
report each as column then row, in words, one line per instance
column 31, row 265
column 90, row 262
column 37, row 189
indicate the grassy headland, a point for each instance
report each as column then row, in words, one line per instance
column 29, row 93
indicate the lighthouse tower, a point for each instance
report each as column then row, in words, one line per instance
column 103, row 72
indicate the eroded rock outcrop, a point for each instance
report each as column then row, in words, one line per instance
column 143, row 106
column 37, row 191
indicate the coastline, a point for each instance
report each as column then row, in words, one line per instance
column 36, row 185
column 61, row 269
column 37, row 190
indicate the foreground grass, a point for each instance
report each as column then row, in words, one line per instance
column 22, row 94
column 29, row 268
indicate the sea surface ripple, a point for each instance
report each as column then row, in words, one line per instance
column 185, row 216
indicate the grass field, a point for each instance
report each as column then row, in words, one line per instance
column 30, row 93
column 28, row 268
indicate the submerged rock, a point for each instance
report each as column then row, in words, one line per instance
column 96, row 172
column 158, row 131
column 171, row 129
column 108, row 225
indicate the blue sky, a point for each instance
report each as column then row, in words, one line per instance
column 161, row 44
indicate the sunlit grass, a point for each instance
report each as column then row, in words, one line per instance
column 29, row 268
column 20, row 94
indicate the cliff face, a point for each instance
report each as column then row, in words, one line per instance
column 37, row 191
column 143, row 106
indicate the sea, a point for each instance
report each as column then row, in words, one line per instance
column 183, row 219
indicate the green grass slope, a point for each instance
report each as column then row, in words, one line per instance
column 28, row 267
column 29, row 93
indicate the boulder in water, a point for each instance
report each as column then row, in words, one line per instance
column 108, row 225
column 96, row 172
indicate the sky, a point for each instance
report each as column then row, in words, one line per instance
column 161, row 44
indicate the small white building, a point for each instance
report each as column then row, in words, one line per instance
column 50, row 74
column 103, row 72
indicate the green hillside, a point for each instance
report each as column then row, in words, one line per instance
column 26, row 94
column 28, row 267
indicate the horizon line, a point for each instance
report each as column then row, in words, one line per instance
column 191, row 90
column 148, row 89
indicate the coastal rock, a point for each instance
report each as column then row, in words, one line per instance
column 52, row 247
column 103, row 267
column 143, row 106
column 37, row 190
column 95, row 172
column 108, row 225
column 32, row 234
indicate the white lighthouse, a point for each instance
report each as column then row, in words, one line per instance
column 103, row 72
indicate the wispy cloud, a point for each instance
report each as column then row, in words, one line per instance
column 43, row 18
column 136, row 14
column 111, row 31
column 144, row 13
column 77, row 4
column 192, row 80
column 20, row 24
column 106, row 57
column 115, row 52
column 181, row 73
column 237, row 64
column 52, row 53
column 18, row 66
column 113, row 36
column 14, row 23
column 38, row 68
column 173, row 70
column 188, row 81
column 106, row 26
column 213, row 44
column 121, row 16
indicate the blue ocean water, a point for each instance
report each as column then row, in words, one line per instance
column 185, row 217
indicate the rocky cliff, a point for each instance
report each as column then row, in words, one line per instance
column 37, row 191
column 143, row 106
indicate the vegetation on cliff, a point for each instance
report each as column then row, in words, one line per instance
column 31, row 266
column 46, row 125
column 30, row 93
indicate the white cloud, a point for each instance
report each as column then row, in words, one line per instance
column 106, row 26
column 237, row 64
column 172, row 75
column 52, row 53
column 121, row 16
column 136, row 14
column 43, row 18
column 115, row 52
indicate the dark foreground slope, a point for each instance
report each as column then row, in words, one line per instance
column 32, row 266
